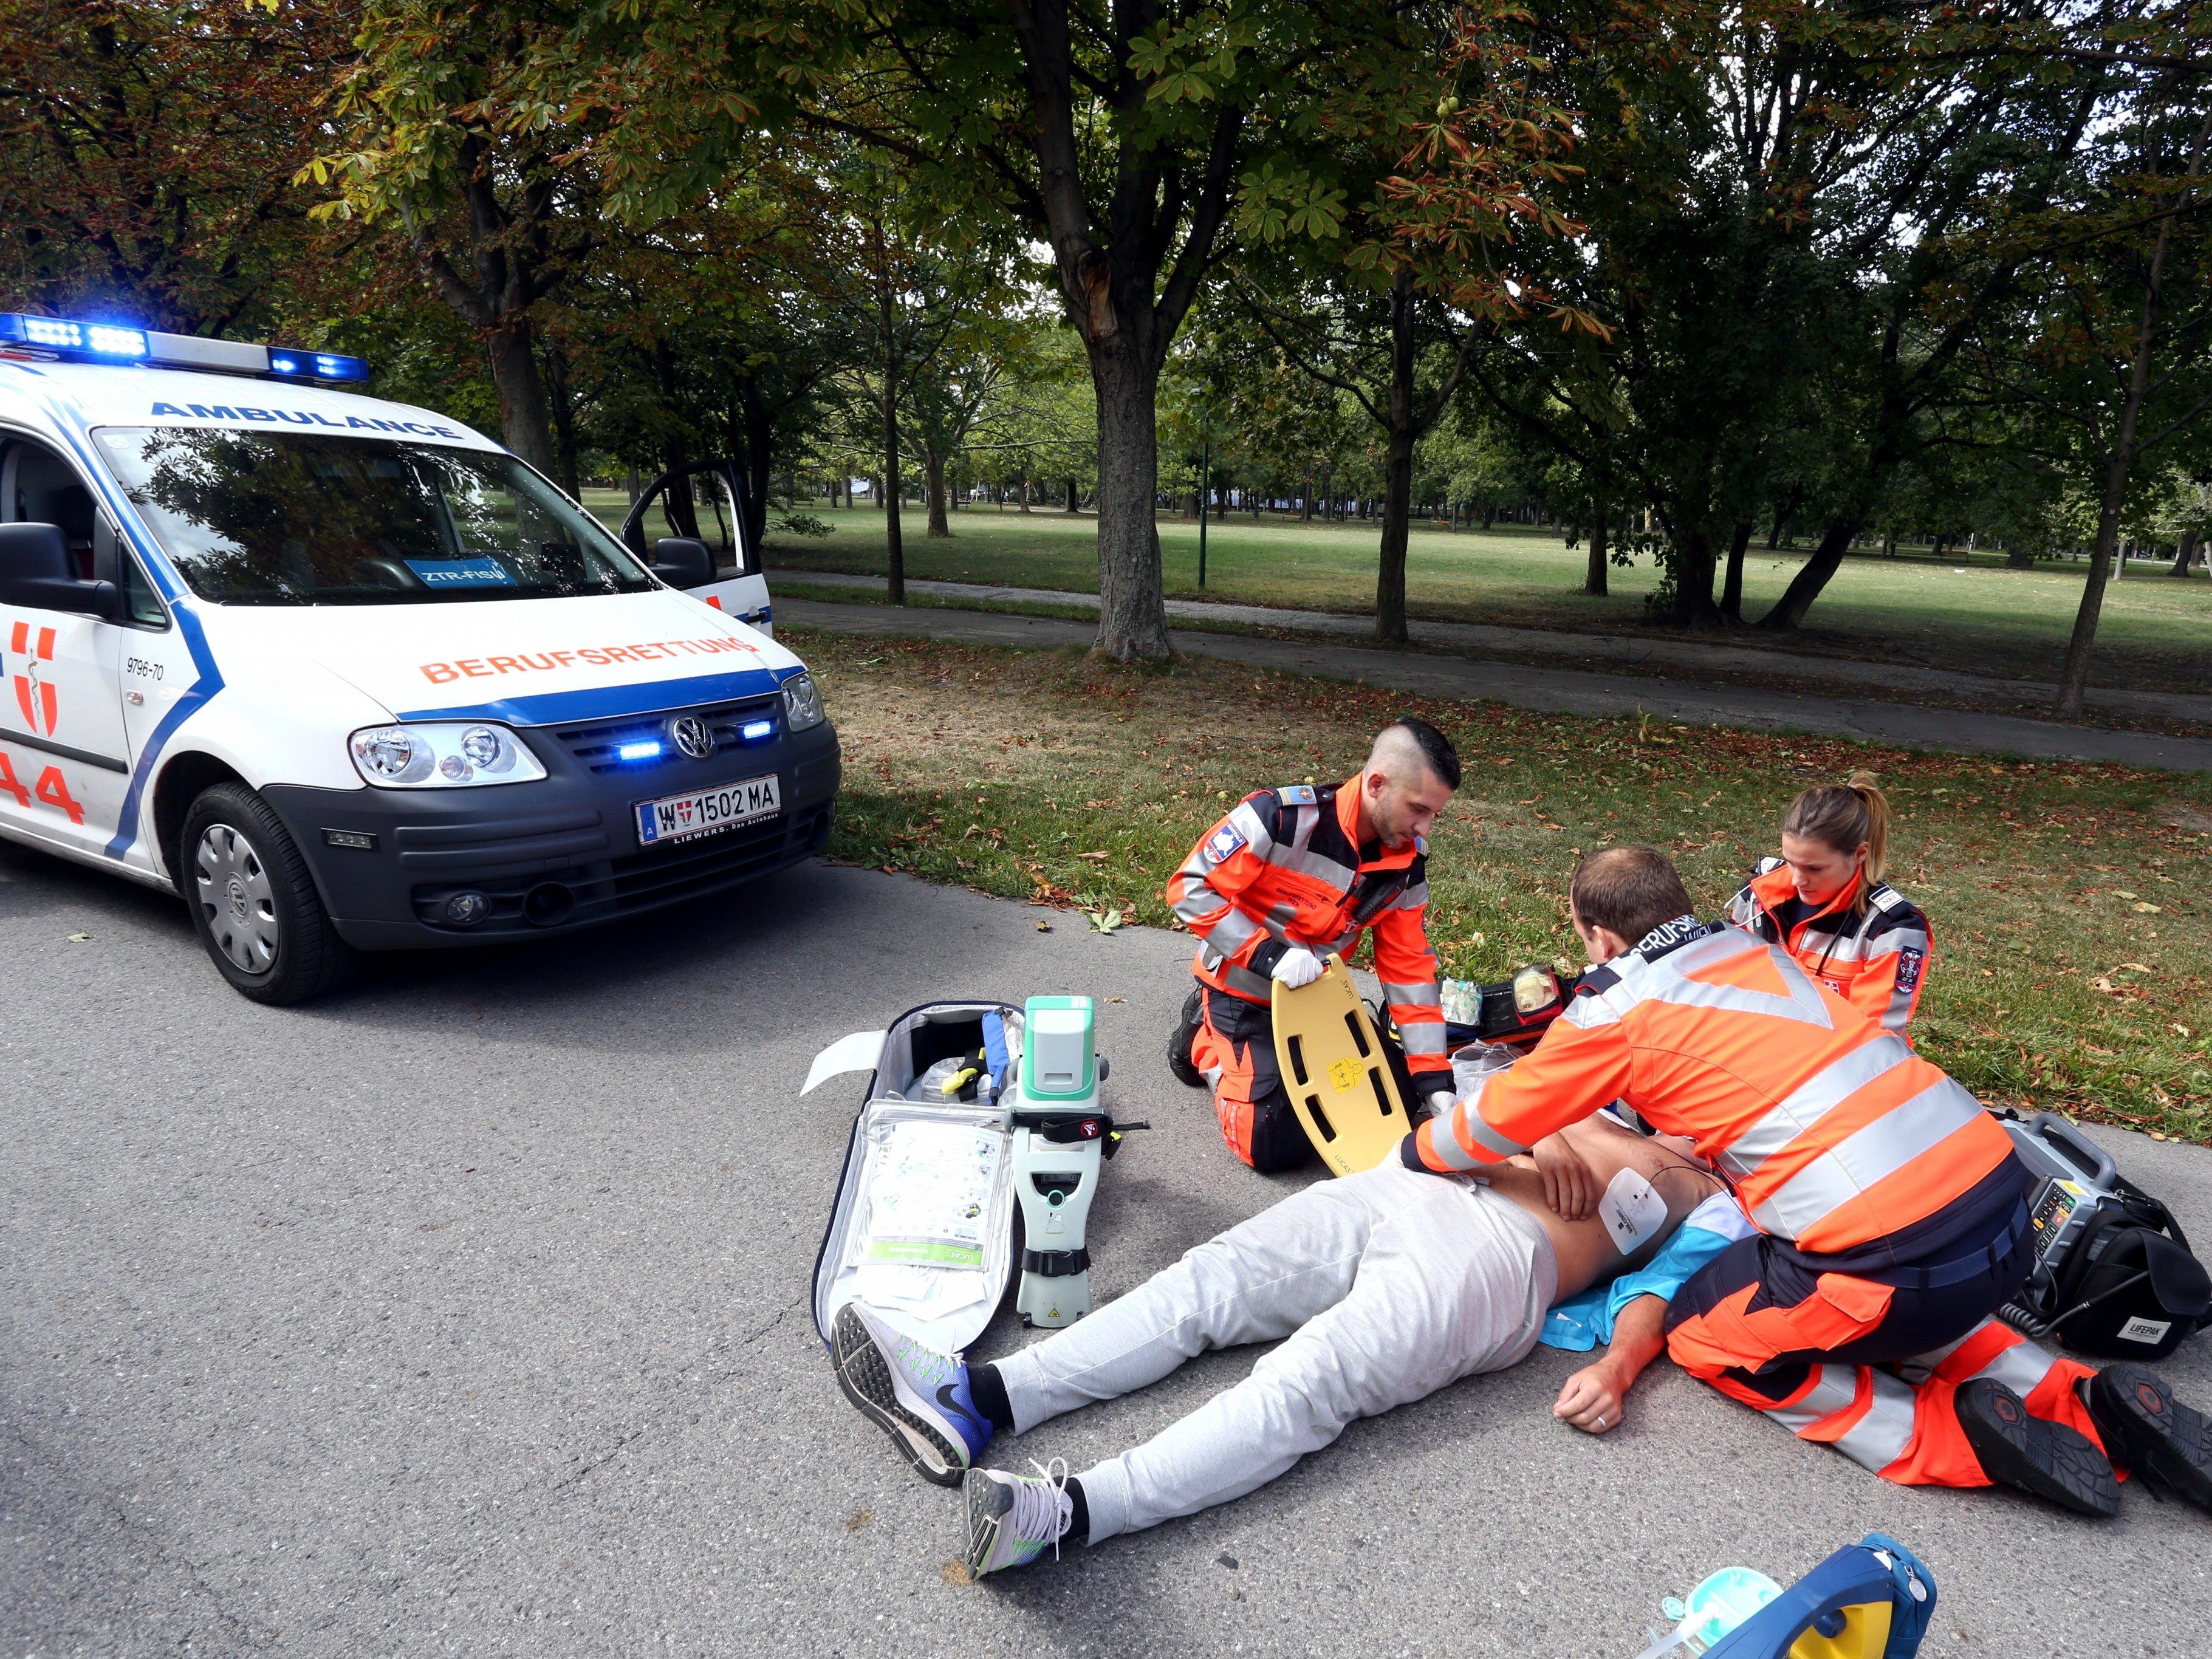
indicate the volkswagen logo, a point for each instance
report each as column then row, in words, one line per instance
column 693, row 736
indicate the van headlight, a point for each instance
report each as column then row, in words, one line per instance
column 443, row 754
column 802, row 703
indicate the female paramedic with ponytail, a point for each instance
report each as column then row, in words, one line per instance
column 1824, row 903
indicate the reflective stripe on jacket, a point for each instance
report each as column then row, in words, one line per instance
column 1285, row 869
column 1832, row 1131
column 1877, row 963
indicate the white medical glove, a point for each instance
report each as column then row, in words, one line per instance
column 1297, row 966
column 1440, row 1103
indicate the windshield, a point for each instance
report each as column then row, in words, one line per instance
column 286, row 518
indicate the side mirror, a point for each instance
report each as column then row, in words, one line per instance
column 681, row 561
column 37, row 573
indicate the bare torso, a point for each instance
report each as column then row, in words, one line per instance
column 1586, row 1248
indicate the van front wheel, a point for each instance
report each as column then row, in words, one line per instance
column 253, row 902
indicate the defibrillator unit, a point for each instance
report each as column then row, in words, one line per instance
column 974, row 1113
column 2114, row 1274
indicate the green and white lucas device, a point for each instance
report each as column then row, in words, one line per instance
column 1060, row 1138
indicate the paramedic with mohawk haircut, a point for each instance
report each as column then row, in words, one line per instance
column 1289, row 876
column 1892, row 1214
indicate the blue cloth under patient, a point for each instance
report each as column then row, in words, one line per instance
column 1582, row 1322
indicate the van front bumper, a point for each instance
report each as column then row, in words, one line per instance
column 552, row 855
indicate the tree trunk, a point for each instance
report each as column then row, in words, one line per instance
column 1025, row 492
column 1133, row 620
column 1789, row 611
column 515, row 376
column 1072, row 497
column 759, row 428
column 1732, row 584
column 894, row 545
column 2183, row 555
column 2020, row 556
column 1693, row 582
column 1397, row 469
column 1593, row 582
column 932, row 465
column 2074, row 679
column 564, row 419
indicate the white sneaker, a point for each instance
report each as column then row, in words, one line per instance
column 919, row 1396
column 1011, row 1517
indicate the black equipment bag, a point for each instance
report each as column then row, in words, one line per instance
column 2129, row 1289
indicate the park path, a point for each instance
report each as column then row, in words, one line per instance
column 1628, row 650
column 1558, row 690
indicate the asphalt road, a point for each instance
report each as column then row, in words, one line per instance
column 468, row 1313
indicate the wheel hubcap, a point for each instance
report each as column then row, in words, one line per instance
column 235, row 899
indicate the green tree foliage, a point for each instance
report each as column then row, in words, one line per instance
column 492, row 189
column 150, row 146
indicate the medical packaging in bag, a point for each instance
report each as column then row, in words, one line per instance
column 922, row 1226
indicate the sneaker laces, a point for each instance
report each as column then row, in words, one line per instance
column 1043, row 1510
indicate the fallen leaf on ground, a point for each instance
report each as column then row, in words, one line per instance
column 2148, row 909
column 1090, row 855
column 80, row 938
column 1044, row 927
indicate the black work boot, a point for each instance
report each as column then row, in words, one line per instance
column 2020, row 1449
column 2160, row 1439
column 1186, row 1033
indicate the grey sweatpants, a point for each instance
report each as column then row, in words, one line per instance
column 1382, row 1288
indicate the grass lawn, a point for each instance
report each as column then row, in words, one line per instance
column 1973, row 614
column 2072, row 965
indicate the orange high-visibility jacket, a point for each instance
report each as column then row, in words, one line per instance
column 1832, row 1130
column 1877, row 963
column 1285, row 869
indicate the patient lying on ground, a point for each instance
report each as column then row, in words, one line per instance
column 1380, row 1288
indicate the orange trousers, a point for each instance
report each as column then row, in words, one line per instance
column 1829, row 1357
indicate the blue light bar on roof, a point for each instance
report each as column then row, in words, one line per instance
column 109, row 340
column 316, row 365
column 118, row 343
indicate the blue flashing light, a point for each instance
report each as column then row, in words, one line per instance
column 753, row 731
column 316, row 365
column 109, row 340
column 645, row 749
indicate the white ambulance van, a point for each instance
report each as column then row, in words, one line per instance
column 348, row 675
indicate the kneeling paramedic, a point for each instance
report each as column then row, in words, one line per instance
column 1380, row 1289
column 1289, row 876
column 1891, row 1212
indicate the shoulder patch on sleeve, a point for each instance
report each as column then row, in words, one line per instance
column 1883, row 896
column 1908, row 967
column 1224, row 840
column 1420, row 847
column 1295, row 794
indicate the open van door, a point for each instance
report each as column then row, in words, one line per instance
column 705, row 503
